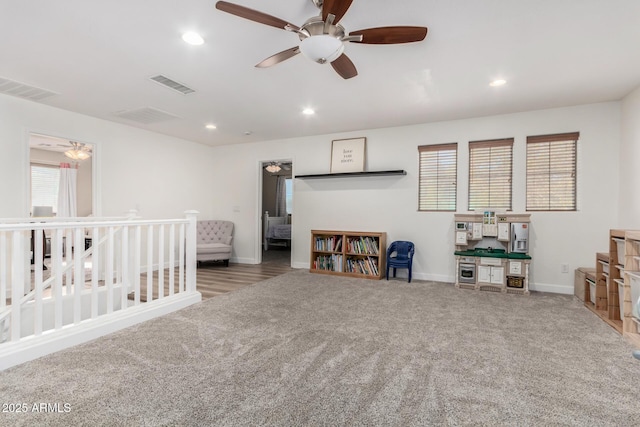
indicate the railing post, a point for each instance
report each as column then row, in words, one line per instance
column 190, row 256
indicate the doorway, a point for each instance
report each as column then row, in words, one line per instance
column 48, row 156
column 276, row 211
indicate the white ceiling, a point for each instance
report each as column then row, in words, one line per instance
column 98, row 57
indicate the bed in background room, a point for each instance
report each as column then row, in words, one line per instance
column 277, row 231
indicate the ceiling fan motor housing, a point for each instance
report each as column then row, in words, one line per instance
column 316, row 26
column 321, row 41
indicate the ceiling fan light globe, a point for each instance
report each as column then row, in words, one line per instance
column 322, row 48
column 77, row 154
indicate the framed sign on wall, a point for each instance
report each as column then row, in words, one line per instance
column 347, row 155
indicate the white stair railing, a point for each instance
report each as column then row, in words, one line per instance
column 94, row 289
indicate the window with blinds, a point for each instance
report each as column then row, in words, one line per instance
column 44, row 186
column 551, row 172
column 490, row 169
column 438, row 175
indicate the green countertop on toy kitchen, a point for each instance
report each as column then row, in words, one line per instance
column 493, row 253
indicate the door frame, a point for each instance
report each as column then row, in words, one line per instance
column 260, row 210
column 96, row 206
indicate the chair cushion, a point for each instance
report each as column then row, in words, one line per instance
column 213, row 248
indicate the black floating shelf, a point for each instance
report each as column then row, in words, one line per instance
column 353, row 174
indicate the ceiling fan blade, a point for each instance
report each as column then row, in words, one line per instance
column 254, row 15
column 279, row 57
column 390, row 35
column 335, row 7
column 344, row 67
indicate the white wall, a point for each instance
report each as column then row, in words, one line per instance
column 163, row 176
column 159, row 175
column 390, row 203
column 630, row 162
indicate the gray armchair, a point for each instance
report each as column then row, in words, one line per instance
column 214, row 241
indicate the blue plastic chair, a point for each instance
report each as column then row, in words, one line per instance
column 400, row 255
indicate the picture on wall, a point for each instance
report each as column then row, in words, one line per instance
column 347, row 155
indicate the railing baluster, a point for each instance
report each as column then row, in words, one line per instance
column 136, row 265
column 109, row 272
column 69, row 260
column 38, row 260
column 149, row 263
column 124, row 256
column 95, row 265
column 78, row 274
column 161, row 237
column 17, row 283
column 56, row 265
column 172, row 257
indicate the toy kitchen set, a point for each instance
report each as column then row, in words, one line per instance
column 492, row 252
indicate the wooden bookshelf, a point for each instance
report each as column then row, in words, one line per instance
column 348, row 253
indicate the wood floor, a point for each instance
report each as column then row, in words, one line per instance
column 216, row 279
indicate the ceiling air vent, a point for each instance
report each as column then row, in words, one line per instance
column 146, row 115
column 14, row 88
column 172, row 84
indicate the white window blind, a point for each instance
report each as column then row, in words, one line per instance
column 551, row 172
column 44, row 186
column 438, row 177
column 490, row 168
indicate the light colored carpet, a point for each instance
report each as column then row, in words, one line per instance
column 309, row 349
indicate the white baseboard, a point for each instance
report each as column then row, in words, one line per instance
column 15, row 353
column 244, row 260
column 551, row 288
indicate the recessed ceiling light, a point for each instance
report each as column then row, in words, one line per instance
column 308, row 111
column 192, row 38
column 211, row 126
column 498, row 82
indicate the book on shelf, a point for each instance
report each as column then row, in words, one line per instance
column 328, row 262
column 328, row 243
column 363, row 245
column 367, row 266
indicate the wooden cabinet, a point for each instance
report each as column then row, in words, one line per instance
column 616, row 278
column 612, row 297
column 351, row 253
column 631, row 287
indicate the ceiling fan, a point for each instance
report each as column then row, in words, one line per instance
column 275, row 167
column 78, row 151
column 322, row 38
